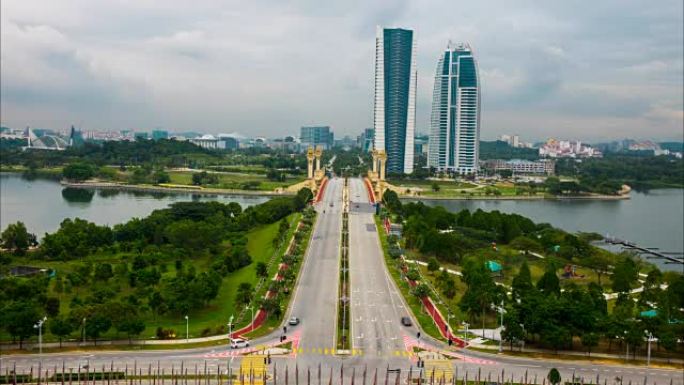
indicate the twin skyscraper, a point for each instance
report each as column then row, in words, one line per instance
column 455, row 122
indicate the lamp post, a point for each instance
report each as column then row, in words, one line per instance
column 187, row 329
column 649, row 335
column 84, row 331
column 626, row 344
column 501, row 310
column 39, row 326
column 523, row 339
column 466, row 331
column 251, row 328
column 230, row 327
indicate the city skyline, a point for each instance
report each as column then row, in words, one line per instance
column 546, row 69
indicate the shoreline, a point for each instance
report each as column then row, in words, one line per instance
column 516, row 198
column 172, row 190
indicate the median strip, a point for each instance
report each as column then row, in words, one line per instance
column 343, row 308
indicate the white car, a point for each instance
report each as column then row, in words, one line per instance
column 238, row 343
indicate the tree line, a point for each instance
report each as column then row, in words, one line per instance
column 173, row 261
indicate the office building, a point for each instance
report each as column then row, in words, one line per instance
column 455, row 120
column 395, row 97
column 365, row 140
column 316, row 136
column 159, row 134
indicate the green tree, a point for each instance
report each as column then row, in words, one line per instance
column 599, row 263
column 625, row 275
column 132, row 326
column 96, row 325
column 78, row 171
column 435, row 186
column 16, row 238
column 522, row 283
column 244, row 293
column 554, row 376
column 433, row 265
column 590, row 340
column 103, row 272
column 161, row 176
column 52, row 306
column 421, row 290
column 261, row 269
column 60, row 327
column 18, row 319
column 549, row 283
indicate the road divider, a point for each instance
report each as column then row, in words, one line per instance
column 343, row 305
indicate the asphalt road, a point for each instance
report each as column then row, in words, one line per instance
column 377, row 307
column 315, row 300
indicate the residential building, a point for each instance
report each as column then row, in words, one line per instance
column 395, row 97
column 316, row 136
column 567, row 149
column 455, row 121
column 518, row 166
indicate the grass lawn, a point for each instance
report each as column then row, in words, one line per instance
column 235, row 180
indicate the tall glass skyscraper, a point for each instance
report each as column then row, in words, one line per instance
column 395, row 97
column 455, row 122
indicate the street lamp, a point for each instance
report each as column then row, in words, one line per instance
column 187, row 329
column 649, row 335
column 230, row 327
column 523, row 338
column 251, row 328
column 466, row 331
column 39, row 326
column 84, row 331
column 501, row 310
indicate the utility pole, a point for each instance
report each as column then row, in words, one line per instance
column 187, row 329
column 39, row 326
column 649, row 335
column 230, row 327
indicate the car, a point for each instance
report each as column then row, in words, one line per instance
column 406, row 321
column 238, row 343
column 293, row 321
column 331, row 204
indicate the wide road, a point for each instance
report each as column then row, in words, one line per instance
column 315, row 299
column 376, row 305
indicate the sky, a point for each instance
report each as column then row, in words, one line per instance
column 598, row 70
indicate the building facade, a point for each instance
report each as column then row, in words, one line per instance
column 395, row 97
column 519, row 166
column 455, row 120
column 316, row 136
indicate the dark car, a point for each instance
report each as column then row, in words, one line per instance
column 406, row 321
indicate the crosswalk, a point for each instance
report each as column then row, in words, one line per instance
column 410, row 343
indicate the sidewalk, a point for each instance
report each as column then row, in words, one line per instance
column 493, row 334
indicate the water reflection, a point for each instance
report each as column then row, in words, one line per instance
column 77, row 195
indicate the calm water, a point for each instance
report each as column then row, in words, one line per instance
column 43, row 204
column 653, row 219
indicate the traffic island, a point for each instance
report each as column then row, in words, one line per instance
column 343, row 306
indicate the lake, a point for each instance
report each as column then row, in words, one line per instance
column 43, row 204
column 653, row 219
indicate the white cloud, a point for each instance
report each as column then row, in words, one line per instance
column 267, row 67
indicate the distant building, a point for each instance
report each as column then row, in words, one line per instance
column 46, row 141
column 347, row 142
column 286, row 144
column 394, row 118
column 207, row 141
column 316, row 136
column 568, row 149
column 160, row 134
column 228, row 142
column 141, row 135
column 517, row 166
column 365, row 140
column 421, row 144
column 455, row 121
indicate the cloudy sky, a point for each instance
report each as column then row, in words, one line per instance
column 588, row 69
